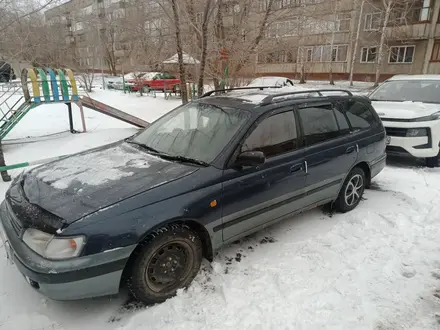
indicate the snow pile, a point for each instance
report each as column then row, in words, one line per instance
column 94, row 168
column 376, row 267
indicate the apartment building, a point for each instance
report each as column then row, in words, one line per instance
column 83, row 25
column 412, row 40
column 310, row 36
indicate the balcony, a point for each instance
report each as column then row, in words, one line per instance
column 408, row 32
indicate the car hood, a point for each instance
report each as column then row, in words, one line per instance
column 404, row 110
column 81, row 184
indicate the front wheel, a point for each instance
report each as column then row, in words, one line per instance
column 433, row 161
column 169, row 260
column 352, row 191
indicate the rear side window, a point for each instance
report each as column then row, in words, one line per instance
column 274, row 135
column 360, row 116
column 342, row 121
column 319, row 124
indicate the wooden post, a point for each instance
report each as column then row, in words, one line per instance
column 5, row 176
column 83, row 120
column 69, row 107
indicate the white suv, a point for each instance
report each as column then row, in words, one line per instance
column 409, row 107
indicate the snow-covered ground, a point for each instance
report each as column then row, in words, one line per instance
column 376, row 267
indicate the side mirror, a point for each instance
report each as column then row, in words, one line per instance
column 250, row 158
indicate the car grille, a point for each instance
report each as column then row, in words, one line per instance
column 396, row 131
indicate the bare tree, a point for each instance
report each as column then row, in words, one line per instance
column 12, row 12
column 201, row 32
column 176, row 17
column 333, row 27
column 387, row 4
column 356, row 42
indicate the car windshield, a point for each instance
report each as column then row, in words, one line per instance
column 195, row 131
column 408, row 90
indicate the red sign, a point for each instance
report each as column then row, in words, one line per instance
column 224, row 54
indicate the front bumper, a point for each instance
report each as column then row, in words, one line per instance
column 420, row 146
column 77, row 278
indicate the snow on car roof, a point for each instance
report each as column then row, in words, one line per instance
column 415, row 77
column 257, row 96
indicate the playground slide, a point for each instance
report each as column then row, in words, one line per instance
column 112, row 112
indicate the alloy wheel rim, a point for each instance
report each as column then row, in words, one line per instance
column 353, row 190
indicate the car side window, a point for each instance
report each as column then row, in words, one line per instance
column 274, row 135
column 318, row 123
column 359, row 115
column 344, row 128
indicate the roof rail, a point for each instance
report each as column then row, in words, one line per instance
column 268, row 99
column 238, row 88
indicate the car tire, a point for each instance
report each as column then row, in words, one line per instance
column 352, row 191
column 168, row 260
column 433, row 161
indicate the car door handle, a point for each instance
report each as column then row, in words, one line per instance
column 296, row 168
column 350, row 150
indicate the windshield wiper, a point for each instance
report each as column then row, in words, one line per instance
column 184, row 159
column 143, row 145
column 168, row 156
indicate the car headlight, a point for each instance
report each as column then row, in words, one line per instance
column 53, row 247
column 434, row 116
column 413, row 132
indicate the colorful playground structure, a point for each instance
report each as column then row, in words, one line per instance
column 48, row 86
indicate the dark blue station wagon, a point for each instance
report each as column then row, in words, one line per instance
column 145, row 211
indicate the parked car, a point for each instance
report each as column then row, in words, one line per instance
column 271, row 81
column 158, row 81
column 145, row 211
column 409, row 106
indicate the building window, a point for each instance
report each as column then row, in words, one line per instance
column 411, row 13
column 343, row 22
column 288, row 56
column 88, row 10
column 401, row 54
column 372, row 21
column 199, row 17
column 282, row 29
column 341, row 53
column 368, row 54
column 425, row 11
column 435, row 56
column 281, row 4
column 326, row 53
column 262, row 5
column 79, row 26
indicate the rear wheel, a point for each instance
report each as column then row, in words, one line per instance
column 169, row 260
column 352, row 191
